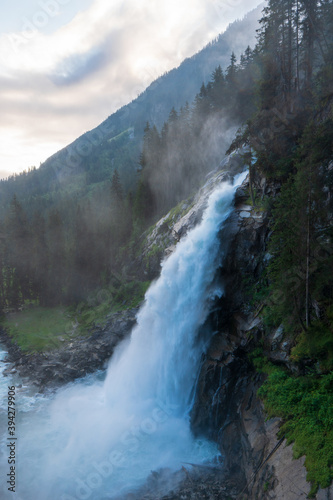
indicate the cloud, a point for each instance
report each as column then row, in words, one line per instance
column 56, row 86
column 76, row 67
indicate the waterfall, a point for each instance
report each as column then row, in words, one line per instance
column 99, row 438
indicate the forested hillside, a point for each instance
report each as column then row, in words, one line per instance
column 58, row 254
column 291, row 136
column 68, row 226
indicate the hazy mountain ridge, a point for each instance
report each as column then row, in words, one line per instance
column 92, row 159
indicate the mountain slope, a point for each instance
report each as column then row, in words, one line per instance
column 116, row 143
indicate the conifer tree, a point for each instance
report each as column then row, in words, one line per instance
column 40, row 261
column 19, row 251
column 218, row 89
column 58, row 258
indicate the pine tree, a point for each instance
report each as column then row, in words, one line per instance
column 231, row 71
column 116, row 189
column 58, row 258
column 298, row 271
column 19, row 251
column 218, row 89
column 143, row 205
column 40, row 261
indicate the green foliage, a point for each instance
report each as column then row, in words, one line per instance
column 256, row 289
column 266, row 486
column 144, row 204
column 93, row 313
column 154, row 256
column 316, row 344
column 306, row 406
column 130, row 295
column 300, row 271
column 155, row 250
column 120, row 296
column 259, row 361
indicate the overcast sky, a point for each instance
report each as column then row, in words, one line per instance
column 68, row 64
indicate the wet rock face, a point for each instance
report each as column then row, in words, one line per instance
column 191, row 482
column 226, row 408
column 82, row 356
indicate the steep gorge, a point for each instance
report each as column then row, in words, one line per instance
column 256, row 464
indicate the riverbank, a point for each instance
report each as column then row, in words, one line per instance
column 74, row 359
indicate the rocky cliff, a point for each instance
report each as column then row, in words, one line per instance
column 227, row 409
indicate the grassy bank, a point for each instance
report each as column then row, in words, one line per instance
column 37, row 329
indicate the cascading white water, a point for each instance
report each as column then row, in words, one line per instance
column 96, row 439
